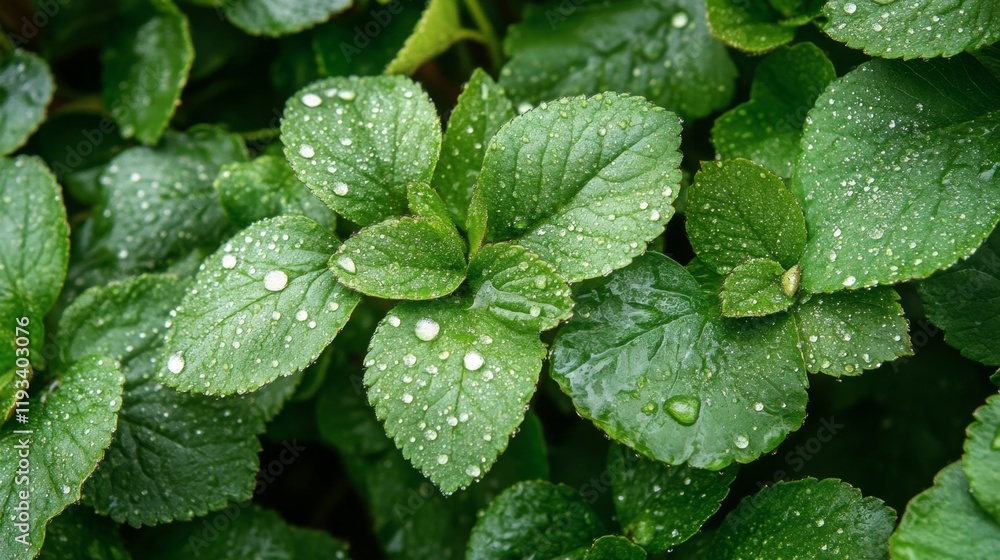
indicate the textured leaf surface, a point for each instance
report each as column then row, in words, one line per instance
column 920, row 28
column 608, row 548
column 755, row 289
column 440, row 26
column 358, row 142
column 965, row 302
column 767, row 129
column 264, row 188
column 844, row 333
column 981, row 461
column 402, row 258
column 280, row 17
column 80, row 534
column 482, row 109
column 945, row 522
column 660, row 49
column 748, row 26
column 262, row 307
column 71, row 423
column 649, row 359
column 806, row 518
column 531, row 521
column 451, row 384
column 737, row 210
column 660, row 506
column 583, row 182
column 145, row 62
column 424, row 201
column 897, row 176
column 26, row 88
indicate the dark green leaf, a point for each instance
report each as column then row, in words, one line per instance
column 80, row 534
column 78, row 145
column 365, row 42
column 757, row 288
column 982, row 457
column 748, row 26
column 608, row 548
column 26, row 88
column 264, row 188
column 281, row 17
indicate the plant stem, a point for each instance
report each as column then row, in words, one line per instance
column 486, row 29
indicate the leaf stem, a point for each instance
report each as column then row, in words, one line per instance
column 489, row 36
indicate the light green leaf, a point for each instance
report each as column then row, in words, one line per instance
column 737, row 210
column 358, row 142
column 660, row 49
column 648, row 358
column 440, row 27
column 846, row 332
column 757, row 288
column 424, row 201
column 584, row 183
column 768, row 128
column 660, row 506
column 264, row 188
column 965, row 301
column 451, row 384
column 749, row 26
column 509, row 529
column 70, row 424
column 897, row 176
column 80, row 534
column 482, row 109
column 146, row 61
column 265, row 288
column 945, row 522
column 281, row 17
column 515, row 285
column 608, row 548
column 922, row 28
column 26, row 88
column 981, row 461
column 806, row 518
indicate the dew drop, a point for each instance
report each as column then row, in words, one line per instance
column 306, row 151
column 427, row 329
column 849, row 281
column 680, row 20
column 758, row 406
column 409, row 360
column 302, row 315
column 473, row 361
column 742, row 442
column 340, row 189
column 407, row 398
column 311, row 100
column 683, row 408
column 850, row 8
column 347, row 264
column 473, row 471
column 442, row 459
column 176, row 363
column 228, row 261
column 275, row 280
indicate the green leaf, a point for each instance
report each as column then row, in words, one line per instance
column 896, row 179
column 163, row 436
column 481, row 110
column 281, row 17
column 513, row 284
column 749, row 26
column 254, row 532
column 767, row 129
column 264, row 188
column 146, row 60
column 265, row 288
column 533, row 521
column 965, row 302
column 402, row 258
column 80, row 534
column 922, row 28
column 806, row 518
column 583, row 182
column 26, row 88
column 945, row 522
column 660, row 49
column 451, row 383
column 660, row 506
column 648, row 358
column 846, row 332
column 358, row 142
column 757, row 288
column 71, row 423
column 981, row 461
column 737, row 210
column 344, row 48
column 440, row 27
column 425, row 202
column 608, row 548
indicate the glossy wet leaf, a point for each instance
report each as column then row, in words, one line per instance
column 481, row 110
column 358, row 142
column 965, row 301
column 749, row 26
column 510, row 527
column 660, row 506
column 584, row 183
column 439, row 27
column 737, row 211
column 402, row 258
column 71, row 423
column 513, row 284
column 451, row 383
column 755, row 289
column 264, row 188
column 847, row 332
column 659, row 49
column 767, row 129
column 80, row 534
column 608, row 548
column 920, row 28
column 26, row 88
column 981, row 461
column 897, row 176
column 649, row 359
column 281, row 17
column 145, row 61
column 262, row 307
column 425, row 202
column 946, row 522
